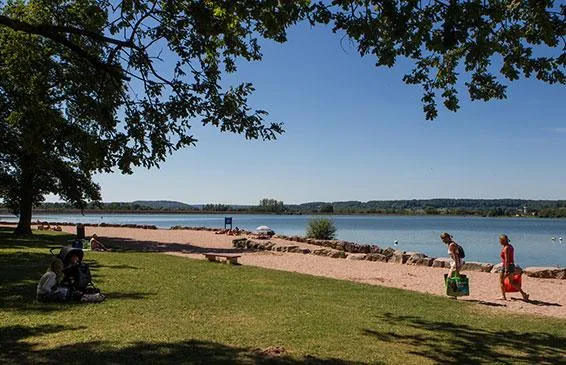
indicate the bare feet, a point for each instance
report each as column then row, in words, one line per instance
column 525, row 297
column 501, row 298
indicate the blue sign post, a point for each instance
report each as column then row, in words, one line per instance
column 227, row 222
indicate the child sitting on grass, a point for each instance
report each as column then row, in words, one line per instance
column 48, row 289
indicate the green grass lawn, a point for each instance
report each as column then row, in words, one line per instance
column 166, row 309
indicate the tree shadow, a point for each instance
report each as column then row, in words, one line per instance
column 20, row 274
column 115, row 295
column 97, row 265
column 127, row 244
column 17, row 347
column 450, row 343
column 35, row 240
column 22, row 269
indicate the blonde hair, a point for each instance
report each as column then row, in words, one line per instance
column 504, row 238
column 56, row 266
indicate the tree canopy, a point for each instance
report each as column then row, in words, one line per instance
column 92, row 91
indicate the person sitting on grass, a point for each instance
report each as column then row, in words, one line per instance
column 96, row 245
column 48, row 288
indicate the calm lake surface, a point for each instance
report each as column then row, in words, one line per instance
column 531, row 237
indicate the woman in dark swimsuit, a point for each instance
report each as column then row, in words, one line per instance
column 508, row 269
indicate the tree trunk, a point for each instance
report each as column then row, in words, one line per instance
column 26, row 198
column 24, row 224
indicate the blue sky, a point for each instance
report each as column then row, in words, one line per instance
column 356, row 132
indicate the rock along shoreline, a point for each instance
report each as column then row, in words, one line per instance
column 341, row 249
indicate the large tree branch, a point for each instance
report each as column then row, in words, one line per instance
column 49, row 29
column 44, row 30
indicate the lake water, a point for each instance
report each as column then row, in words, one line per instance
column 531, row 237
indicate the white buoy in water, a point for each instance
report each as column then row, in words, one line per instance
column 553, row 238
column 560, row 238
column 395, row 242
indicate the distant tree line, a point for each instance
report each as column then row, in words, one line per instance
column 216, row 208
column 476, row 207
column 469, row 207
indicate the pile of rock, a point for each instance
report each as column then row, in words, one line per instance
column 141, row 226
column 546, row 272
column 195, row 228
column 138, row 226
column 353, row 251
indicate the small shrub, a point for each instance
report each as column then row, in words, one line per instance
column 321, row 228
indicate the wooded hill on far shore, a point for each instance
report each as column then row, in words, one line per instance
column 477, row 207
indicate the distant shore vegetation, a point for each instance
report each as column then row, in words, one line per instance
column 459, row 207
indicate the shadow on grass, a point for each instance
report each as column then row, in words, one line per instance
column 126, row 244
column 18, row 283
column 97, row 265
column 20, row 274
column 18, row 347
column 21, row 270
column 450, row 343
column 35, row 240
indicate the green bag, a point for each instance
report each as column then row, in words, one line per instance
column 457, row 285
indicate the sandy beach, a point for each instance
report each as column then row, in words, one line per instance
column 547, row 296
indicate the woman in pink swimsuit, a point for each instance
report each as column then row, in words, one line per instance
column 508, row 269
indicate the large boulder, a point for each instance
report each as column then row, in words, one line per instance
column 497, row 268
column 239, row 242
column 375, row 249
column 441, row 262
column 546, row 272
column 321, row 252
column 418, row 254
column 398, row 257
column 376, row 257
column 253, row 245
column 293, row 249
column 477, row 266
column 388, row 252
column 420, row 260
column 289, row 248
column 338, row 254
column 338, row 245
column 268, row 246
column 357, row 256
column 351, row 247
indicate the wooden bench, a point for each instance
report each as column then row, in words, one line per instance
column 230, row 257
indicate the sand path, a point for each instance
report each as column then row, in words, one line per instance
column 548, row 296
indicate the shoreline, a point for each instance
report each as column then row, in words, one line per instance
column 393, row 255
column 548, row 296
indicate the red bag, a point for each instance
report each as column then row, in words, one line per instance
column 516, row 280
